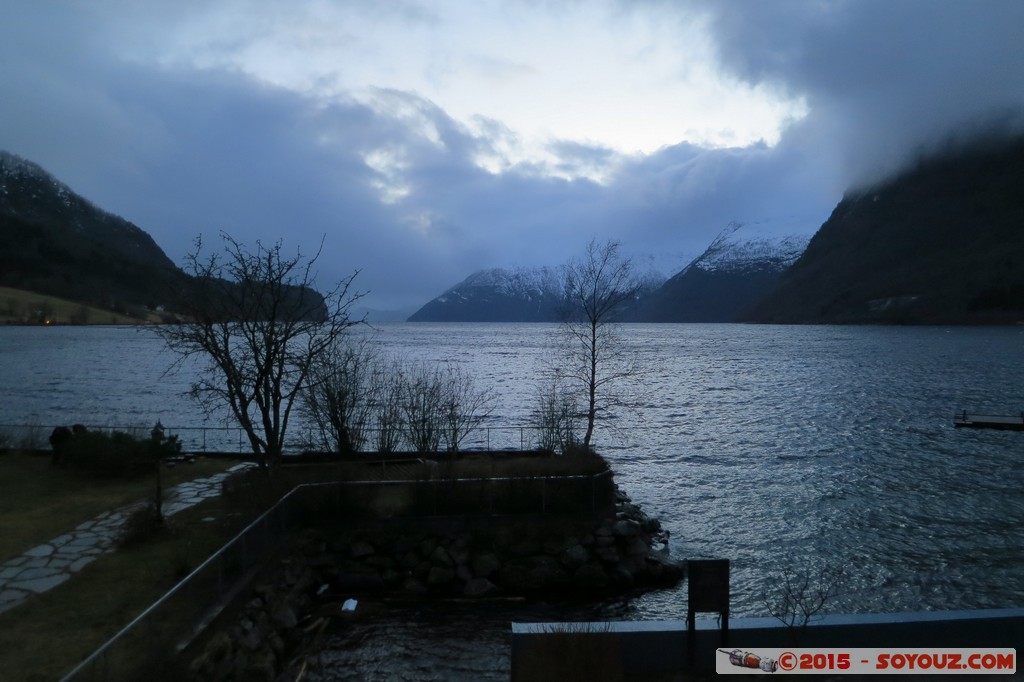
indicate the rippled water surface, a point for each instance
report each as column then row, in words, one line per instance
column 771, row 446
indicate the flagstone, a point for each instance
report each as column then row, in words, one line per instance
column 40, row 551
column 42, row 584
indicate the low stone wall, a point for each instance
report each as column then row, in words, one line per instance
column 507, row 556
column 266, row 631
column 442, row 558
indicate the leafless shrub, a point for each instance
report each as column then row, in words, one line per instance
column 556, row 417
column 386, row 405
column 801, row 593
column 464, row 406
column 340, row 395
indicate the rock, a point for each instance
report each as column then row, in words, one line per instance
column 414, row 586
column 479, row 587
column 391, row 577
column 664, row 570
column 440, row 577
column 220, row 646
column 361, row 581
column 485, row 565
column 636, row 566
column 620, row 577
column 574, row 557
column 379, row 561
column 284, row 617
column 532, row 574
column 463, row 573
column 556, row 546
column 460, row 555
column 650, row 526
column 276, row 644
column 361, row 550
column 409, row 560
column 261, row 668
column 591, row 576
column 637, row 547
column 626, row 528
column 440, row 557
column 609, row 555
column 524, row 548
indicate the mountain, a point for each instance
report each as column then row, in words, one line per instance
column 498, row 295
column 55, row 242
column 735, row 271
column 943, row 243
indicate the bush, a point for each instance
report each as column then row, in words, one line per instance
column 114, row 454
column 141, row 525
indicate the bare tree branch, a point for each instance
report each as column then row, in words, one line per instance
column 597, row 289
column 258, row 324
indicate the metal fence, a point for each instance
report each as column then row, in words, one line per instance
column 166, row 628
column 232, row 439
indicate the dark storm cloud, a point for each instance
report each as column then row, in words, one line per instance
column 884, row 81
column 395, row 185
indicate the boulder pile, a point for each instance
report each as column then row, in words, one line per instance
column 610, row 555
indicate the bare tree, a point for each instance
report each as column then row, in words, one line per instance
column 258, row 325
column 597, row 288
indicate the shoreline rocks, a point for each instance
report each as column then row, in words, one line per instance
column 508, row 558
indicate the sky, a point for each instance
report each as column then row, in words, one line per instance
column 420, row 141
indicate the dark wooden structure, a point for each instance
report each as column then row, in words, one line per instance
column 707, row 590
column 989, row 421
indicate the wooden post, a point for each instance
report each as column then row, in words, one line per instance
column 707, row 590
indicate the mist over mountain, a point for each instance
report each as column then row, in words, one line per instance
column 736, row 270
column 54, row 241
column 942, row 243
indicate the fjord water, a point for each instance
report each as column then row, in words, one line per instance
column 771, row 446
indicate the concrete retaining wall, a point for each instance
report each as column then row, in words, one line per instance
column 661, row 648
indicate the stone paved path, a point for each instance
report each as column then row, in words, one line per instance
column 44, row 567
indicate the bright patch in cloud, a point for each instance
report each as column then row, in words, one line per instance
column 631, row 78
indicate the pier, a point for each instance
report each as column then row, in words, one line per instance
column 989, row 421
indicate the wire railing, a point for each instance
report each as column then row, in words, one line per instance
column 232, row 439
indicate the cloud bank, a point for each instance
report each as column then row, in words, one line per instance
column 416, row 193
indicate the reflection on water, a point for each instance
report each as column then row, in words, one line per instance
column 771, row 446
column 442, row 641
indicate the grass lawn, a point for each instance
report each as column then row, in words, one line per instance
column 50, row 633
column 39, row 501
